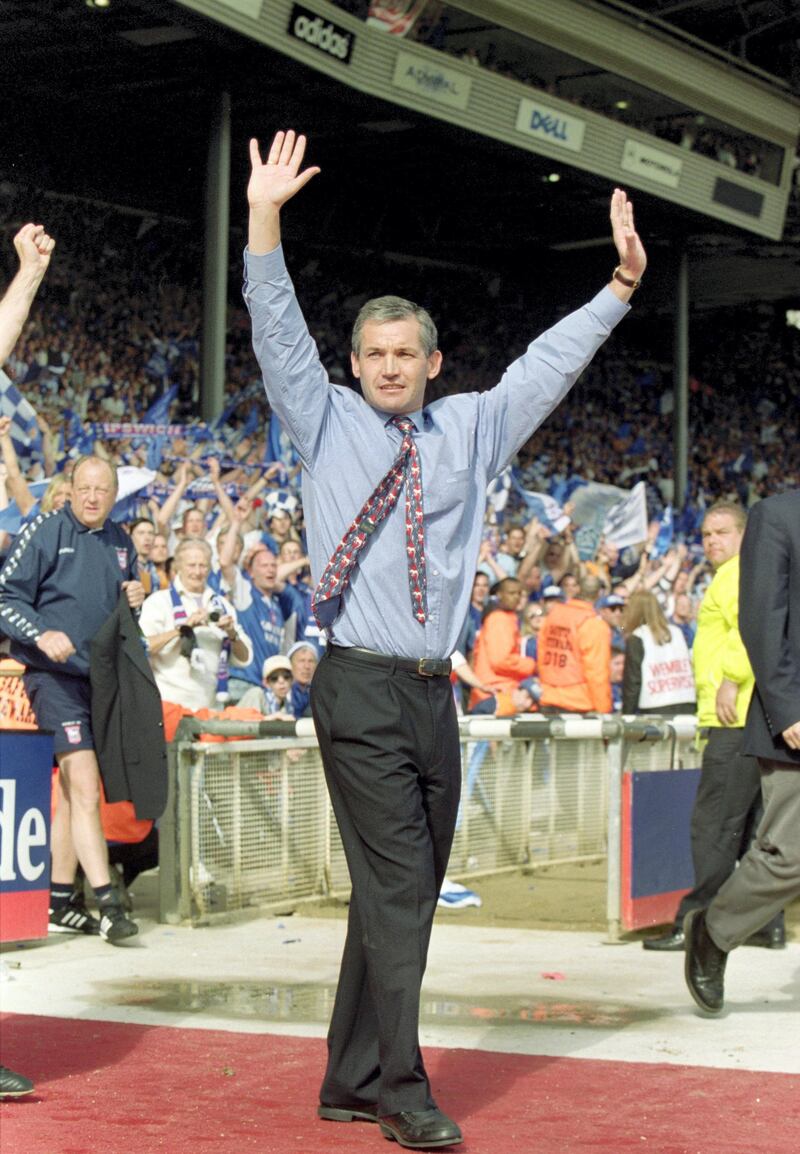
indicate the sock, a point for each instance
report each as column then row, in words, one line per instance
column 60, row 893
column 105, row 895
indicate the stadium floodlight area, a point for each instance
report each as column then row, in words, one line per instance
column 684, row 124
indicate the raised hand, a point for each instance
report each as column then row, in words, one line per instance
column 34, row 248
column 632, row 257
column 271, row 185
column 279, row 177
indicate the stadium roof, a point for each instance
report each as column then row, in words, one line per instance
column 114, row 104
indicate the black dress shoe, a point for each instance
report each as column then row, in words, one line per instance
column 773, row 938
column 419, row 1129
column 705, row 964
column 14, row 1085
column 673, row 940
column 360, row 1113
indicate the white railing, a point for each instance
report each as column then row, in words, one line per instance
column 249, row 824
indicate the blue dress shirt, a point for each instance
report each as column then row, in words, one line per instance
column 463, row 441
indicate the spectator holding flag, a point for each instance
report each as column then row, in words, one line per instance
column 54, row 497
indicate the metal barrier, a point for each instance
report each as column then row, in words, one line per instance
column 249, row 824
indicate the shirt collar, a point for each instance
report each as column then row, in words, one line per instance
column 418, row 418
column 68, row 511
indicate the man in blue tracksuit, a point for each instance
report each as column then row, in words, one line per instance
column 58, row 586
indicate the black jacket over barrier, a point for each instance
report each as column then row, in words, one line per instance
column 127, row 719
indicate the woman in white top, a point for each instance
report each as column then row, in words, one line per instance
column 658, row 676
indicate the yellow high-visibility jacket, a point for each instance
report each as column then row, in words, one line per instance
column 719, row 651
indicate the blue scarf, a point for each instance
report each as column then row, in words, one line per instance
column 179, row 616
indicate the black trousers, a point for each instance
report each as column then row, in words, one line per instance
column 725, row 813
column 390, row 748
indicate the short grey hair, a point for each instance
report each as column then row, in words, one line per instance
column 188, row 543
column 94, row 459
column 381, row 310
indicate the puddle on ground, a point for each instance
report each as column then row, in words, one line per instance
column 312, row 1003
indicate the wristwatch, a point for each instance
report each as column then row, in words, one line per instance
column 626, row 280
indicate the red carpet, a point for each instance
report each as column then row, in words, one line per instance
column 107, row 1088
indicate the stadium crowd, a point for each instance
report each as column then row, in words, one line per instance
column 114, row 337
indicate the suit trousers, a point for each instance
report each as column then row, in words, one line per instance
column 390, row 749
column 768, row 876
column 729, row 789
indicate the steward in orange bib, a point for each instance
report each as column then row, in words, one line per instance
column 574, row 655
column 497, row 660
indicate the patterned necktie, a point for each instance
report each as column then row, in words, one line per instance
column 327, row 600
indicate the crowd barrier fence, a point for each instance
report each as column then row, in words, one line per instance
column 249, row 825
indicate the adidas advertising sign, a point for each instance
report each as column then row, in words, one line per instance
column 321, row 34
column 26, row 759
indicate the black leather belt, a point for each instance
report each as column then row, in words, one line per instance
column 424, row 666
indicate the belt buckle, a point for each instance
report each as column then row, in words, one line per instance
column 423, row 661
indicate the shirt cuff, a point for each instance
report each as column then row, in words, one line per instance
column 608, row 307
column 260, row 268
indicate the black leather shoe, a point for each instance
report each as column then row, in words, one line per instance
column 705, row 964
column 361, row 1113
column 773, row 938
column 673, row 940
column 13, row 1085
column 419, row 1129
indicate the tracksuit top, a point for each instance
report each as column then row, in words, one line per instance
column 60, row 575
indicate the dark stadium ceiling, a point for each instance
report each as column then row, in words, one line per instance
column 114, row 104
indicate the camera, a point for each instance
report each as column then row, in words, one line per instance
column 188, row 640
column 214, row 615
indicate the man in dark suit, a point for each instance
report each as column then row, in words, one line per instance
column 768, row 876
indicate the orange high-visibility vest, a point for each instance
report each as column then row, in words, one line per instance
column 558, row 652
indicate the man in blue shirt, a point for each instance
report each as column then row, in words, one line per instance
column 266, row 616
column 382, row 703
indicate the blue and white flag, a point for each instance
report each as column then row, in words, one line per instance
column 25, row 433
column 280, row 501
column 224, row 416
column 545, row 508
column 11, row 518
column 250, row 426
column 158, row 413
column 132, row 480
column 618, row 515
column 76, row 436
column 279, row 446
column 155, row 452
column 626, row 522
column 498, row 490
